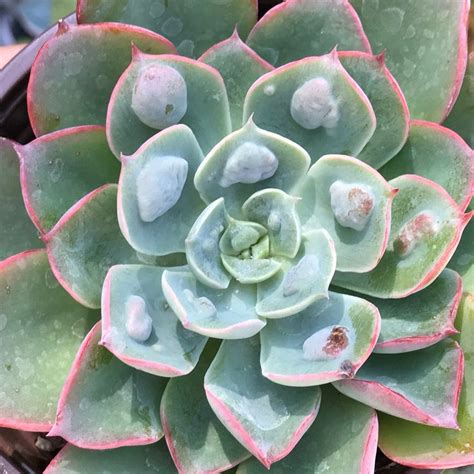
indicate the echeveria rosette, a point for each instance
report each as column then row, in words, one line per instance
column 263, row 288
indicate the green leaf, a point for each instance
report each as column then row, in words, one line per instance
column 419, row 320
column 74, row 73
column 197, row 440
column 388, row 102
column 298, row 29
column 277, row 211
column 85, row 243
column 240, row 67
column 463, row 258
column 143, row 182
column 327, row 341
column 223, row 314
column 342, row 439
column 153, row 459
column 353, row 203
column 459, row 119
column 98, row 388
column 60, row 168
column 302, row 280
column 315, row 103
column 205, row 105
column 41, row 328
column 426, row 228
column 177, row 19
column 202, row 246
column 436, row 153
column 169, row 350
column 423, row 446
column 268, row 419
column 426, row 49
column 247, row 161
column 17, row 233
column 421, row 386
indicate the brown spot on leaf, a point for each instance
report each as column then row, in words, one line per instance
column 348, row 369
column 337, row 341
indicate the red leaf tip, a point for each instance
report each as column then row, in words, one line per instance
column 380, row 58
column 63, row 27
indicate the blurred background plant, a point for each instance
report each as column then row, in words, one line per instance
column 22, row 20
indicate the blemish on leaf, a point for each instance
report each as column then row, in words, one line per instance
column 421, row 227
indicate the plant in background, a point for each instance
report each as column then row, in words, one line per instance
column 274, row 269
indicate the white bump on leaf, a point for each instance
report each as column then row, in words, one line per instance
column 352, row 204
column 422, row 226
column 327, row 343
column 249, row 163
column 160, row 97
column 314, row 106
column 301, row 275
column 159, row 186
column 139, row 323
column 203, row 306
column 274, row 221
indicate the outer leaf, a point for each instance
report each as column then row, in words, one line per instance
column 286, row 358
column 85, row 243
column 342, row 439
column 240, row 67
column 459, row 118
column 170, row 350
column 176, row 20
column 297, row 29
column 166, row 233
column 223, row 314
column 17, row 233
column 419, row 320
column 40, row 335
column 428, row 447
column 400, row 274
column 301, row 281
column 388, row 102
column 60, row 168
column 197, row 440
column 249, row 147
column 422, row 386
column 439, row 154
column 268, row 419
column 99, row 387
column 154, row 459
column 463, row 259
column 206, row 97
column 357, row 250
column 352, row 121
column 426, row 49
column 74, row 73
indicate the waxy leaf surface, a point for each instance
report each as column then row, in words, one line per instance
column 98, row 388
column 268, row 419
column 75, row 72
column 60, row 168
column 40, row 335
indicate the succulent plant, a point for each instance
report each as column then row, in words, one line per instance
column 280, row 266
